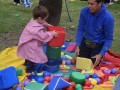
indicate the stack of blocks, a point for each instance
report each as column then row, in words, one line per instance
column 53, row 51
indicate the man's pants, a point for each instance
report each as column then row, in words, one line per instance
column 88, row 52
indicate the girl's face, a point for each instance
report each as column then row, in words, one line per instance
column 40, row 20
column 94, row 7
column 45, row 17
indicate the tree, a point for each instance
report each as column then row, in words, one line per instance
column 54, row 7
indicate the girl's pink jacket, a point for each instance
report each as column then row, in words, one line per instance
column 31, row 41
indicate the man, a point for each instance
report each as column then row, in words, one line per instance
column 95, row 31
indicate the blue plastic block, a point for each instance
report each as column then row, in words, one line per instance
column 117, row 84
column 8, row 78
column 51, row 69
column 54, row 62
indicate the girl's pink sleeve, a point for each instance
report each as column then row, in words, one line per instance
column 44, row 36
column 46, row 24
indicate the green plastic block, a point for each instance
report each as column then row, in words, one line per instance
column 35, row 86
column 19, row 71
column 69, row 53
column 53, row 52
column 77, row 77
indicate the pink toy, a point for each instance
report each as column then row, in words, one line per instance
column 71, row 47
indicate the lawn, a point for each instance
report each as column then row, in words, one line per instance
column 13, row 19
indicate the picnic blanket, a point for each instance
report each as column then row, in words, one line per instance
column 8, row 58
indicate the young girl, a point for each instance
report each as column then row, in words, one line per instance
column 33, row 37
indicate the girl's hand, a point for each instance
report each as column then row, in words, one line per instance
column 55, row 33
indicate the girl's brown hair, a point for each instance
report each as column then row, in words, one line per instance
column 40, row 11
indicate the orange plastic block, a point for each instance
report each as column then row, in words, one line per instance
column 57, row 41
column 107, row 85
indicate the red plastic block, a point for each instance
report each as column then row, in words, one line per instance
column 57, row 41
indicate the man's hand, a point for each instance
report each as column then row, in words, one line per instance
column 98, row 58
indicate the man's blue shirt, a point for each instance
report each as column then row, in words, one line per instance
column 97, row 27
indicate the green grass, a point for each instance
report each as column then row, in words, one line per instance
column 14, row 18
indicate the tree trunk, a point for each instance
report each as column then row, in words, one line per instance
column 54, row 7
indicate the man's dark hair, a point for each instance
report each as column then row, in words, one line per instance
column 99, row 1
column 40, row 11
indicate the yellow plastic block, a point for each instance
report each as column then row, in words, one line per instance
column 68, row 57
column 84, row 63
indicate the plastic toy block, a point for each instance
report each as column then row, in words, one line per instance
column 51, row 69
column 8, row 78
column 53, row 52
column 66, row 43
column 107, row 86
column 19, row 71
column 84, row 63
column 68, row 57
column 77, row 77
column 71, row 47
column 57, row 83
column 117, row 84
column 54, row 62
column 35, row 86
column 71, row 54
column 57, row 41
column 90, row 72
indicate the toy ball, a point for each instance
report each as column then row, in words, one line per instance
column 103, row 68
column 78, row 86
column 69, row 88
column 17, row 15
column 47, row 78
column 32, row 76
column 87, row 83
column 40, row 79
column 73, row 61
column 68, row 62
column 86, row 75
column 26, row 82
column 18, row 88
column 46, row 82
column 98, row 80
column 93, row 82
column 46, row 74
column 20, row 84
column 94, row 75
column 64, row 57
column 107, row 71
column 73, row 84
column 114, row 70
